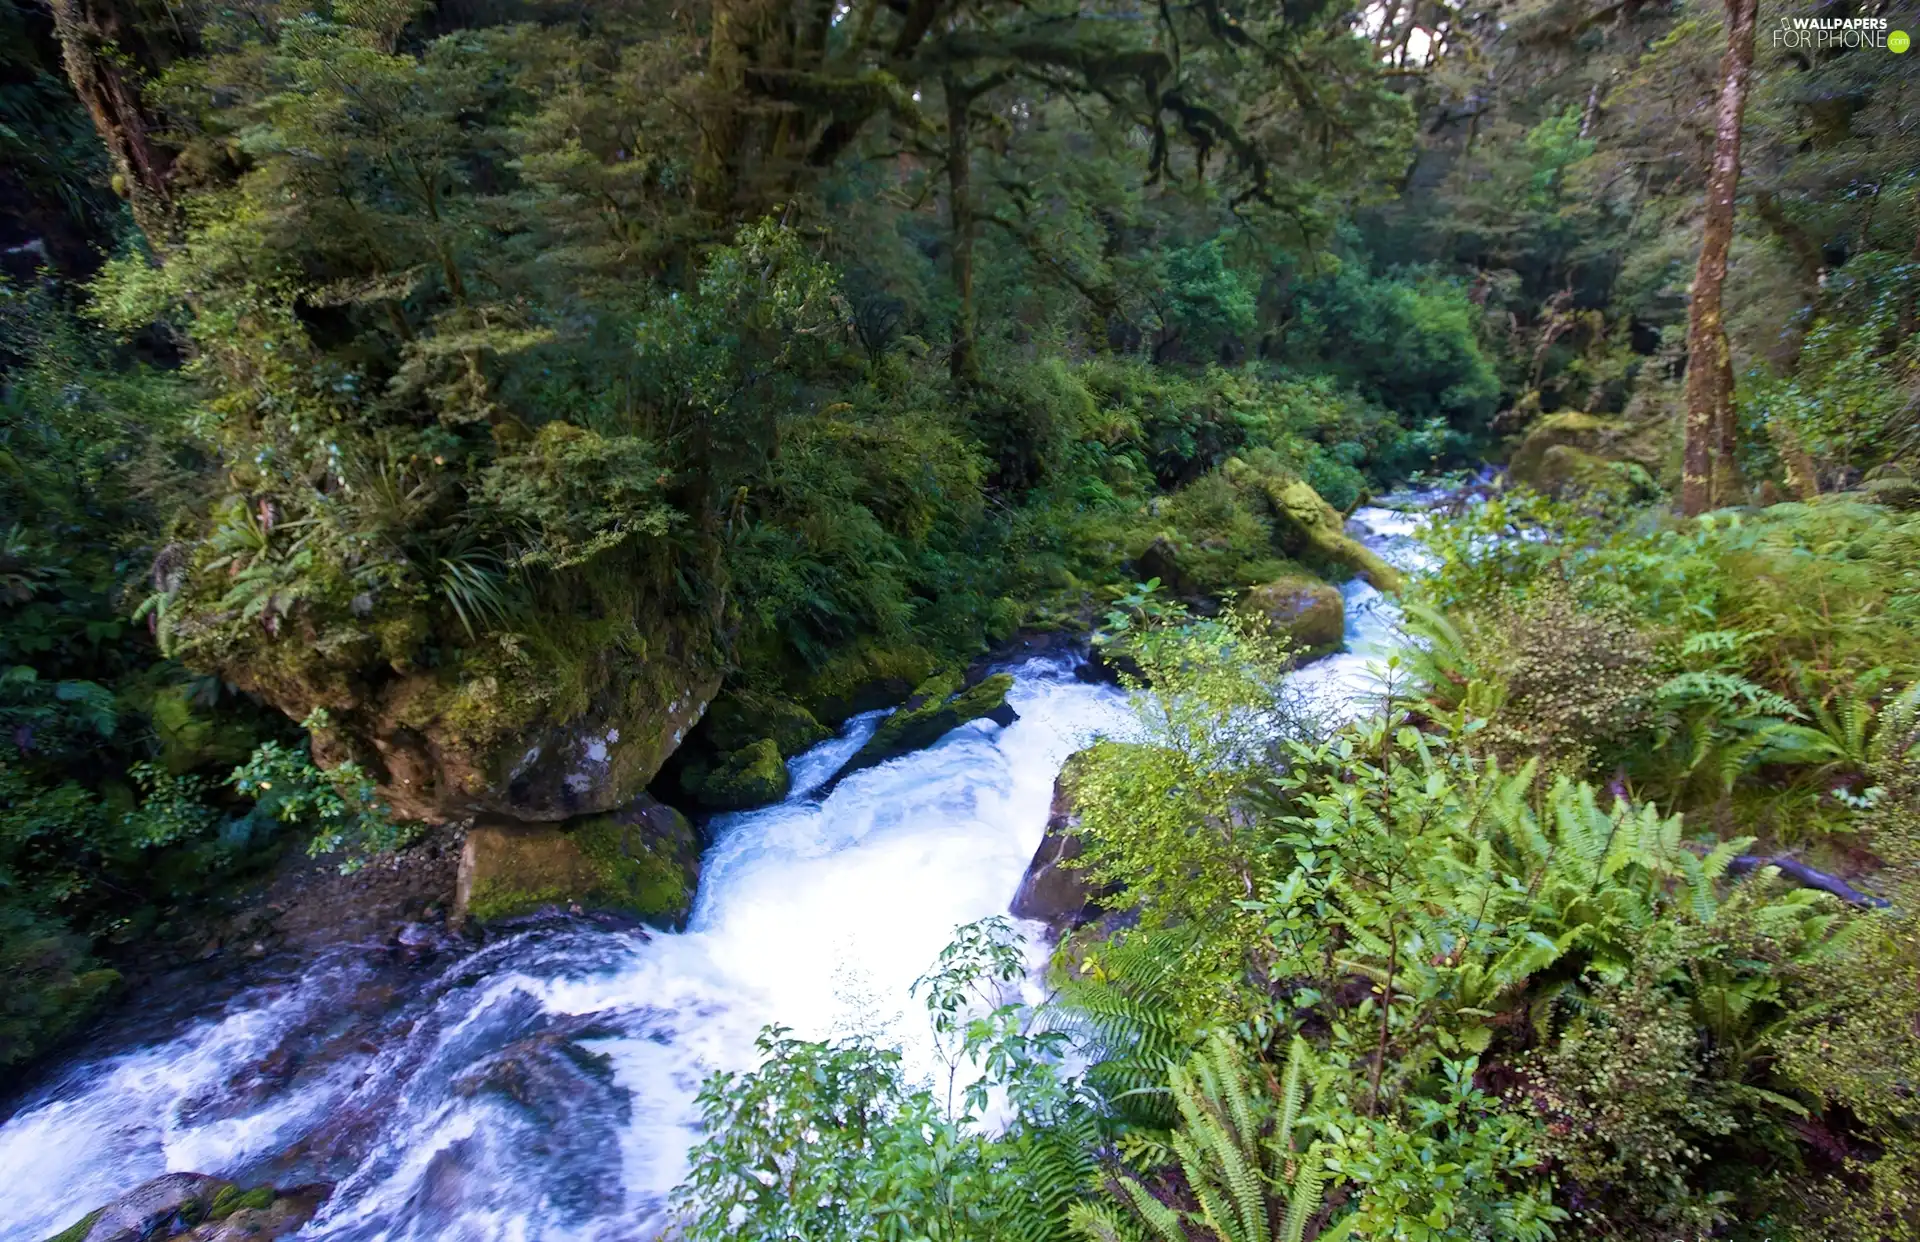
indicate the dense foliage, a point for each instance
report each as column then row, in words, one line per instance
column 1507, row 959
column 382, row 382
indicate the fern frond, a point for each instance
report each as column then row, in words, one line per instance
column 1308, row 1186
column 1163, row 1220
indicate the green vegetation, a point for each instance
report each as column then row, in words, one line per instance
column 523, row 400
column 1505, row 959
column 937, row 707
column 231, row 1199
column 78, row 1230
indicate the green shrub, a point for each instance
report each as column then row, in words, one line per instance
column 1404, row 340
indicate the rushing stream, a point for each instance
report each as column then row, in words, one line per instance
column 542, row 1087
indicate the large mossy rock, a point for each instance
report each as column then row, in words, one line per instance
column 1572, row 451
column 247, row 1218
column 754, row 775
column 739, row 718
column 642, row 861
column 1311, row 530
column 498, row 729
column 163, row 1207
column 937, row 706
column 867, row 678
column 197, row 1208
column 1306, row 611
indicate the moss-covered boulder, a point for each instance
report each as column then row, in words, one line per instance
column 441, row 751
column 739, row 718
column 1306, row 611
column 937, row 707
column 868, row 677
column 1309, row 529
column 754, row 775
column 1564, row 470
column 164, row 1207
column 575, row 723
column 1572, row 451
column 642, row 861
column 260, row 1215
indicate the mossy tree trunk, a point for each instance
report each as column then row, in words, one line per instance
column 963, row 219
column 1710, row 475
column 110, row 57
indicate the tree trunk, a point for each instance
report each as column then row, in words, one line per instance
column 963, row 363
column 720, row 129
column 109, row 61
column 1802, row 479
column 1709, row 474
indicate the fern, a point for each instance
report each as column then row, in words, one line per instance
column 1055, row 1165
column 1125, row 1020
column 1237, row 1157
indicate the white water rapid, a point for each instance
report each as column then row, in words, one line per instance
column 541, row 1088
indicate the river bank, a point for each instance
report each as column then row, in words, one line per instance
column 540, row 1084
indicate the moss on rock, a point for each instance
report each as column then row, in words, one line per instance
column 1310, row 529
column 232, row 1199
column 574, row 716
column 77, row 1231
column 937, row 707
column 162, row 1207
column 1572, row 450
column 740, row 718
column 754, row 775
column 868, row 677
column 1307, row 611
column 642, row 861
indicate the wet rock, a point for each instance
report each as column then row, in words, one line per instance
column 1306, row 611
column 1105, row 666
column 1052, row 891
column 566, row 1114
column 168, row 1205
column 642, row 861
column 754, row 775
column 937, row 707
column 259, row 1215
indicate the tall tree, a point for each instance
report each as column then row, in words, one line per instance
column 1709, row 474
column 112, row 53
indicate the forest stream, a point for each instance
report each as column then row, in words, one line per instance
column 542, row 1086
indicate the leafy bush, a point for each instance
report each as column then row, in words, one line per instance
column 1407, row 341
